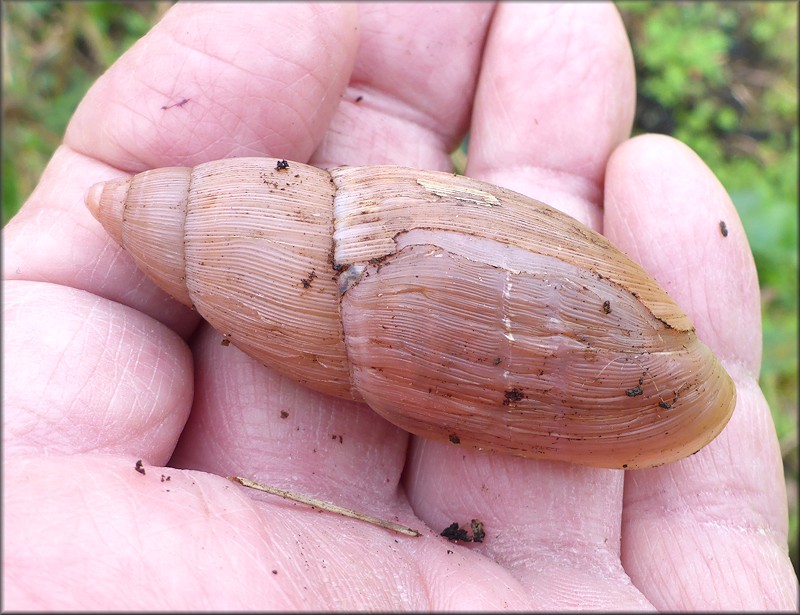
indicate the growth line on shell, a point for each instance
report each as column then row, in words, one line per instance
column 323, row 505
column 616, row 360
column 646, row 373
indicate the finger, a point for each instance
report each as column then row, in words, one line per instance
column 114, row 128
column 410, row 93
column 89, row 376
column 708, row 531
column 543, row 124
column 220, row 80
column 556, row 95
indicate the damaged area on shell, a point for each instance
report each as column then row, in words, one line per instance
column 349, row 277
column 374, row 204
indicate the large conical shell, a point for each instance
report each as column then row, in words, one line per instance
column 458, row 310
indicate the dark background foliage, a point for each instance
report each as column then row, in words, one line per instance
column 722, row 77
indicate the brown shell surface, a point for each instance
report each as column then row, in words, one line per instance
column 458, row 310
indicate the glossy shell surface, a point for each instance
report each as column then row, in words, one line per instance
column 458, row 310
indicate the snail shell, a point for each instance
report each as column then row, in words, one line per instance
column 458, row 310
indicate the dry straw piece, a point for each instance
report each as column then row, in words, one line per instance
column 323, row 505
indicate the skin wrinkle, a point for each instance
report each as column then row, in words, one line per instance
column 506, row 125
column 406, row 105
column 219, row 116
column 50, row 221
column 105, row 420
column 415, row 138
column 129, row 366
column 700, row 302
column 725, row 568
column 133, row 109
column 379, row 146
column 134, row 164
column 53, row 378
column 78, row 404
column 506, row 549
column 569, row 60
column 142, row 286
column 707, row 513
column 152, row 420
column 260, row 76
column 149, row 543
column 574, row 196
column 541, row 31
column 93, row 268
column 81, row 398
column 89, row 226
column 33, row 440
column 672, row 565
column 574, row 59
column 597, row 559
column 210, row 117
column 27, row 434
column 406, row 114
column 692, row 522
column 100, row 529
column 138, row 535
column 400, row 109
column 305, row 73
column 244, row 542
column 573, row 184
column 675, row 243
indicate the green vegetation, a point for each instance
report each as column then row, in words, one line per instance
column 719, row 76
column 52, row 53
column 722, row 77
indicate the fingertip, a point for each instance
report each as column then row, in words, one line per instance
column 665, row 208
column 217, row 80
column 545, row 123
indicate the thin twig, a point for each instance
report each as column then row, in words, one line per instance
column 323, row 505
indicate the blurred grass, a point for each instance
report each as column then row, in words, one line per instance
column 52, row 53
column 720, row 77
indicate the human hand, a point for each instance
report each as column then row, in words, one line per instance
column 103, row 369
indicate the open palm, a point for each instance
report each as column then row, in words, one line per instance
column 102, row 369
